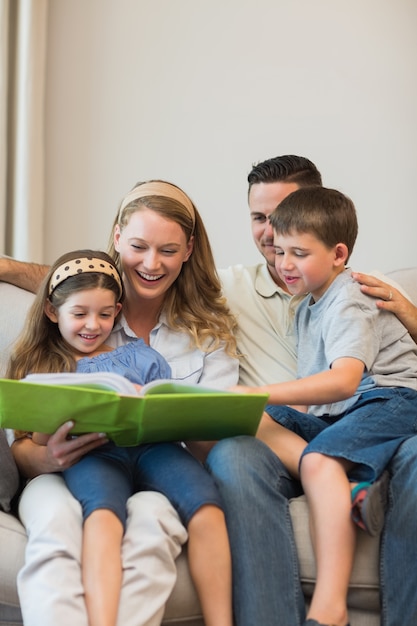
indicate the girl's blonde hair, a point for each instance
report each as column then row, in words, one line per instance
column 194, row 303
column 40, row 348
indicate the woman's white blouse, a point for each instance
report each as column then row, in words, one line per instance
column 212, row 369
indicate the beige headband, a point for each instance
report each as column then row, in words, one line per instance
column 81, row 266
column 158, row 188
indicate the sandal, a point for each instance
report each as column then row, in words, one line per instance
column 369, row 503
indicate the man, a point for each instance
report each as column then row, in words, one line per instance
column 256, row 295
column 255, row 486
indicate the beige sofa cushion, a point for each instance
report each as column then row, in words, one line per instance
column 12, row 552
column 15, row 303
column 364, row 585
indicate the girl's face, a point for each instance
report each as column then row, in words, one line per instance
column 86, row 319
column 152, row 251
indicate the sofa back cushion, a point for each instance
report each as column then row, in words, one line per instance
column 14, row 305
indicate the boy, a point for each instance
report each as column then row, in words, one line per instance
column 357, row 363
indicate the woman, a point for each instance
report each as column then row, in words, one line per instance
column 174, row 303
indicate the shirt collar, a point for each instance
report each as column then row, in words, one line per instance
column 122, row 325
column 265, row 284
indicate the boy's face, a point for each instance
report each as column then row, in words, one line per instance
column 306, row 264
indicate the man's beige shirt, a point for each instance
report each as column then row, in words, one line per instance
column 265, row 316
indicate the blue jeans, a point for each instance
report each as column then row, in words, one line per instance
column 369, row 433
column 398, row 567
column 106, row 478
column 255, row 489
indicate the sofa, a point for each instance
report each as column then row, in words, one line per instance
column 183, row 607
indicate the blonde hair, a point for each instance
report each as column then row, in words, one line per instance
column 194, row 302
column 40, row 347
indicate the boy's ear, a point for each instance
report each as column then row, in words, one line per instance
column 50, row 311
column 341, row 254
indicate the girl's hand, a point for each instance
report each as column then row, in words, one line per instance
column 63, row 450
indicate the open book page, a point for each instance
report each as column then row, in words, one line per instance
column 163, row 386
column 95, row 380
column 118, row 383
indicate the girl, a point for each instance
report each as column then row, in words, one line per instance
column 68, row 327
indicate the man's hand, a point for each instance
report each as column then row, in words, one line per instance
column 25, row 275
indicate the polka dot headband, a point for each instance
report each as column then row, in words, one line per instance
column 81, row 266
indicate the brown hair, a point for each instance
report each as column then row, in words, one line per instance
column 326, row 213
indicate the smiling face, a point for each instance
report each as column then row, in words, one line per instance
column 86, row 319
column 306, row 264
column 263, row 200
column 152, row 251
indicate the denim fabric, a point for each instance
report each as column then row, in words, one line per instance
column 255, row 489
column 368, row 434
column 399, row 542
column 108, row 476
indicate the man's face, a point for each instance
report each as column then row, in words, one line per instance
column 263, row 200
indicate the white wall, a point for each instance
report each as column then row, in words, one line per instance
column 195, row 92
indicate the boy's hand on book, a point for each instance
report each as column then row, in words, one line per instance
column 64, row 450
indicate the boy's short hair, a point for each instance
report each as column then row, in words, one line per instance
column 288, row 168
column 327, row 214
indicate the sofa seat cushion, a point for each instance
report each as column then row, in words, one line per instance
column 364, row 584
column 12, row 554
column 183, row 604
